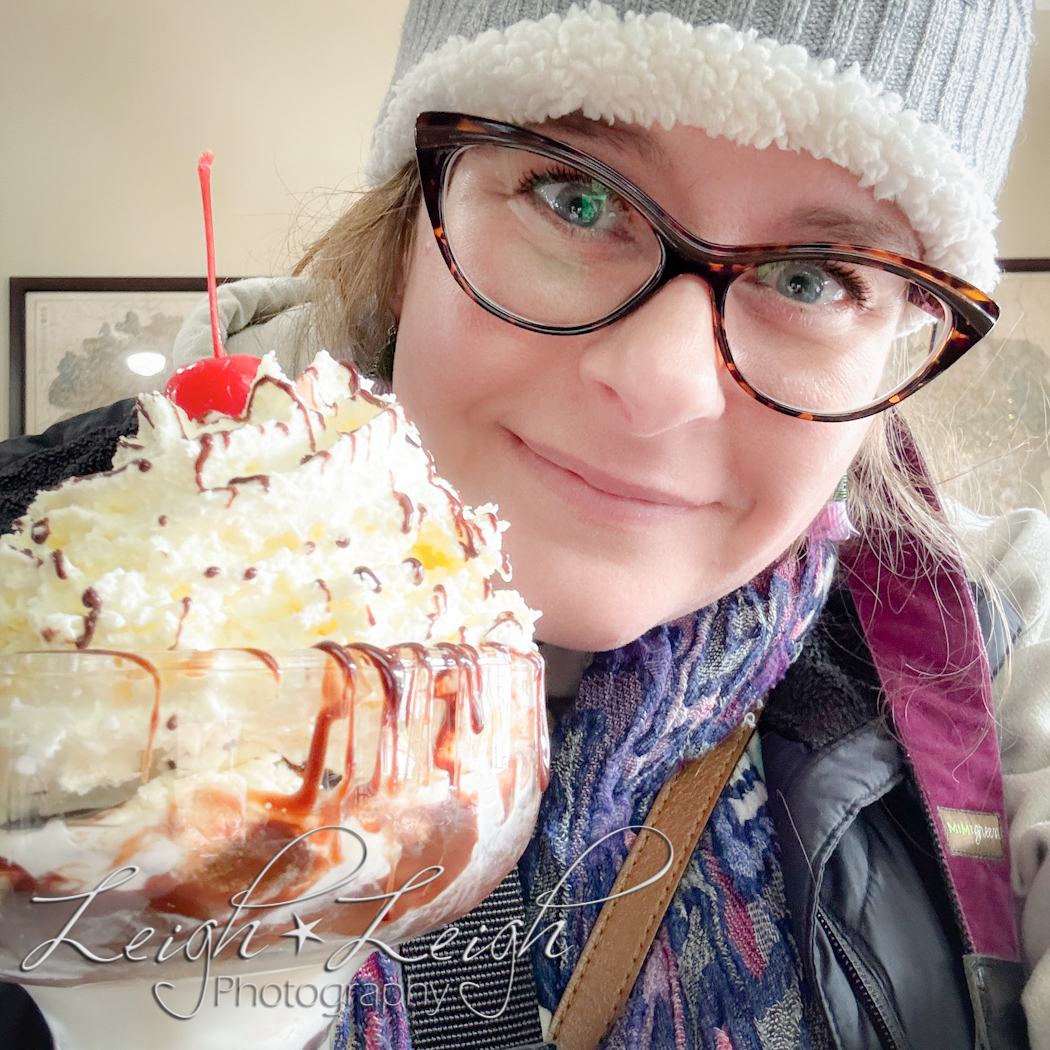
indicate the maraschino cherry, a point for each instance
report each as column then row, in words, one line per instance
column 220, row 383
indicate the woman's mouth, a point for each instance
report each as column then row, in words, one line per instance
column 596, row 493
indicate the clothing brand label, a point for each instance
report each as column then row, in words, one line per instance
column 971, row 834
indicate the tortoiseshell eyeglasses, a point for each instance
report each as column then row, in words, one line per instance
column 553, row 240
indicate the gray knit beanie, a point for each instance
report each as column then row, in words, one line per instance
column 920, row 99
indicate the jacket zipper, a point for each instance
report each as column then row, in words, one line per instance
column 942, row 861
column 859, row 985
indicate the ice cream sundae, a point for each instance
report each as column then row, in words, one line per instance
column 257, row 667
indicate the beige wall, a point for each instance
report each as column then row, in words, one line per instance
column 1025, row 205
column 105, row 106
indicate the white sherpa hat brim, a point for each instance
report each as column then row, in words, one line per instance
column 647, row 69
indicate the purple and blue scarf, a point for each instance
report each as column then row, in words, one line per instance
column 723, row 972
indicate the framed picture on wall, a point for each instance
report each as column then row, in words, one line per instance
column 986, row 422
column 82, row 342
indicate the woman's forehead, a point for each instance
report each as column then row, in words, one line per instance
column 781, row 195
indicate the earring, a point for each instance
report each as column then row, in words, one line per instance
column 833, row 523
column 384, row 366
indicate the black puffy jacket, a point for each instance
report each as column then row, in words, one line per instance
column 873, row 915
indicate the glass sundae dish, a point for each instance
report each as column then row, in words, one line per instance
column 262, row 712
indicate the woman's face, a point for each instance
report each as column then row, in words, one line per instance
column 640, row 481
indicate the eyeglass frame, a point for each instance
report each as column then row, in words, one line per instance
column 441, row 136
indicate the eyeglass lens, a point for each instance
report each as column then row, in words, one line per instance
column 552, row 245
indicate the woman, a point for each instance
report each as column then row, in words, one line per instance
column 569, row 348
column 663, row 420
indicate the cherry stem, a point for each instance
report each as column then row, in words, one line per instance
column 204, row 171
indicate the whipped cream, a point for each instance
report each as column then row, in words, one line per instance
column 317, row 516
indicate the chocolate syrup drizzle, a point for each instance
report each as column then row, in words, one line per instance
column 459, row 682
column 186, row 603
column 207, row 444
column 323, row 456
column 407, row 509
column 440, row 605
column 353, row 377
column 418, row 573
column 504, row 617
column 371, row 399
column 93, row 603
column 467, row 532
column 59, row 558
column 262, row 479
column 364, row 570
column 466, row 661
column 268, row 660
column 142, row 464
column 290, row 390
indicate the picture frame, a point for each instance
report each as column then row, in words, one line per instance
column 75, row 340
column 985, row 423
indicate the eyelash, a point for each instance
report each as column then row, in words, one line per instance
column 847, row 277
column 535, row 179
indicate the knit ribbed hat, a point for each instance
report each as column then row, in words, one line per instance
column 920, row 99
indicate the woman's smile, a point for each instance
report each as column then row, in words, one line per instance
column 596, row 494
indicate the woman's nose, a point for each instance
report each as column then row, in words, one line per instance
column 659, row 367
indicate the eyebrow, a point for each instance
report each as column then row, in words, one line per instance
column 872, row 231
column 625, row 139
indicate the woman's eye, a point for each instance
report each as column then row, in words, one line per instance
column 581, row 203
column 802, row 282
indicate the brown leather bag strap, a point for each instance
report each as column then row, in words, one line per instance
column 619, row 942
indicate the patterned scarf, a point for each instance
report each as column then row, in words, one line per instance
column 723, row 973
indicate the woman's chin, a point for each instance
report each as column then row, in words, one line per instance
column 584, row 640
column 594, row 630
column 588, row 608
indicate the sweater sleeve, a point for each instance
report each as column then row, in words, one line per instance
column 1015, row 551
column 255, row 315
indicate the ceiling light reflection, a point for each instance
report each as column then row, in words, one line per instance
column 146, row 362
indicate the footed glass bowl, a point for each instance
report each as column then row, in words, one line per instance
column 199, row 849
